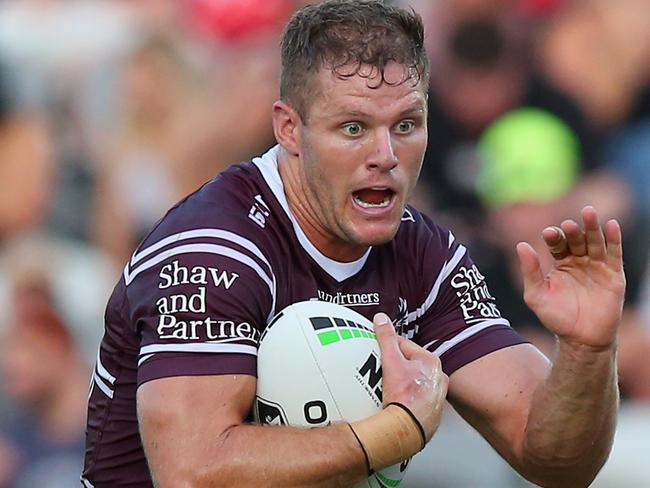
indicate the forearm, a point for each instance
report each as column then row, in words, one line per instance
column 259, row 456
column 193, row 436
column 572, row 418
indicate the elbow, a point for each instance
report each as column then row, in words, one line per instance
column 564, row 473
column 563, row 480
column 572, row 464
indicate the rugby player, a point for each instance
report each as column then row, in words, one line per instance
column 324, row 215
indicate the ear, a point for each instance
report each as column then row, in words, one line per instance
column 287, row 127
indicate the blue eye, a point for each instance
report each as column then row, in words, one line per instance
column 352, row 129
column 405, row 126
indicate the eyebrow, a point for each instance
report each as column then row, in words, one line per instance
column 353, row 113
column 415, row 107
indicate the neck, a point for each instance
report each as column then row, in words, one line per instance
column 312, row 224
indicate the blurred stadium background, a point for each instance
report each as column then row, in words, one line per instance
column 111, row 110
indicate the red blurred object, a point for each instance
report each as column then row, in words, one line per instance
column 235, row 20
column 538, row 7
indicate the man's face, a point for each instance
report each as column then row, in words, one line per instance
column 361, row 150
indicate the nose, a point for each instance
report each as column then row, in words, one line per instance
column 382, row 156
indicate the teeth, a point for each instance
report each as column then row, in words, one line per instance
column 364, row 204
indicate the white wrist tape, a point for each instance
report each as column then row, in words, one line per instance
column 390, row 436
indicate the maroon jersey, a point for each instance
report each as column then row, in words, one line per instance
column 199, row 290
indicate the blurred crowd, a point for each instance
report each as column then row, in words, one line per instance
column 113, row 110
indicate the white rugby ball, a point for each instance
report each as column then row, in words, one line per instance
column 318, row 363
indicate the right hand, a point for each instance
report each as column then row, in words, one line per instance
column 411, row 376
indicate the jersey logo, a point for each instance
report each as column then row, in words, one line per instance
column 401, row 321
column 402, row 312
column 349, row 299
column 259, row 211
column 476, row 302
column 175, row 274
column 407, row 216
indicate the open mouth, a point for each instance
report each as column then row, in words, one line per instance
column 373, row 197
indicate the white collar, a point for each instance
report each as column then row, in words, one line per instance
column 268, row 166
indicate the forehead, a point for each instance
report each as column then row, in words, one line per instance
column 367, row 90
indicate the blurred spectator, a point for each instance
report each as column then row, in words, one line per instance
column 143, row 175
column 56, row 46
column 179, row 124
column 44, row 375
column 528, row 179
column 26, row 164
column 598, row 53
column 59, row 54
column 480, row 70
column 80, row 279
column 628, row 153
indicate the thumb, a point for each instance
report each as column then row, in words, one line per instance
column 531, row 269
column 387, row 337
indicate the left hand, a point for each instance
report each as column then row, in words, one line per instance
column 581, row 297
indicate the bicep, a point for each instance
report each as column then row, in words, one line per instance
column 182, row 418
column 494, row 394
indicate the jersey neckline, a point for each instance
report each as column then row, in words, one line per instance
column 340, row 271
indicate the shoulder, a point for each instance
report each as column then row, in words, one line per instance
column 224, row 234
column 243, row 196
column 230, row 203
column 229, row 193
column 422, row 237
column 223, row 218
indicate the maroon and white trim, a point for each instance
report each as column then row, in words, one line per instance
column 268, row 166
column 102, row 378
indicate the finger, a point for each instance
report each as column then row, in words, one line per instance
column 556, row 241
column 614, row 244
column 596, row 247
column 575, row 238
column 531, row 269
column 387, row 337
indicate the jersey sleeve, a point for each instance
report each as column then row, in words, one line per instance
column 460, row 321
column 198, row 301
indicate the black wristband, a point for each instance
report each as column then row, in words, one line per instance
column 365, row 454
column 417, row 422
